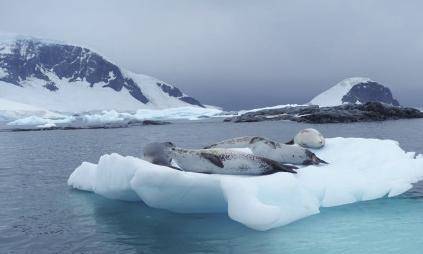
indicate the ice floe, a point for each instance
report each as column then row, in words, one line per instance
column 359, row 170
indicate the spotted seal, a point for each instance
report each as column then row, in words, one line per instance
column 213, row 161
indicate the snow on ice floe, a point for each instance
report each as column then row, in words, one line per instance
column 359, row 170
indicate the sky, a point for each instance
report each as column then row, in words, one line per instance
column 241, row 54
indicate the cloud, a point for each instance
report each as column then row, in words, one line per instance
column 241, row 53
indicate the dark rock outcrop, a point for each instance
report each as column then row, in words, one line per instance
column 368, row 92
column 175, row 92
column 33, row 58
column 348, row 113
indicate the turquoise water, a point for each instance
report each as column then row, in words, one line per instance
column 39, row 213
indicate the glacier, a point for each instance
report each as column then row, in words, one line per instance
column 359, row 170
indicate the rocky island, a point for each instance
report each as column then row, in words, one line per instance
column 351, row 100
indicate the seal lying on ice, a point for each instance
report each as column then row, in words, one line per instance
column 273, row 150
column 213, row 161
column 308, row 138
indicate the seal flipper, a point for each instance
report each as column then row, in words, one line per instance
column 279, row 167
column 255, row 139
column 321, row 161
column 179, row 169
column 213, row 159
column 290, row 142
column 272, row 143
column 286, row 168
column 174, row 165
column 210, row 146
column 313, row 159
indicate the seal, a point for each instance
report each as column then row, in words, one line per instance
column 213, row 161
column 308, row 138
column 283, row 153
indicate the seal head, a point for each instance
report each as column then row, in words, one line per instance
column 158, row 153
column 308, row 138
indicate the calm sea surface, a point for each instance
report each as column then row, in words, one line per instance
column 39, row 213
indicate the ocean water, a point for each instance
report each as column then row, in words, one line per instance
column 39, row 213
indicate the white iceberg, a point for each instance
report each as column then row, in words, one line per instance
column 42, row 122
column 359, row 169
column 187, row 113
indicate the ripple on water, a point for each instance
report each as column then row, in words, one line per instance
column 40, row 214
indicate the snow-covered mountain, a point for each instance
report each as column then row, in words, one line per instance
column 355, row 90
column 67, row 78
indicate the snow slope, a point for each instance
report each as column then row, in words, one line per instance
column 67, row 78
column 334, row 95
column 70, row 98
column 359, row 170
column 13, row 110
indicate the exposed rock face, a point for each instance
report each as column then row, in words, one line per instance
column 175, row 92
column 371, row 111
column 31, row 58
column 369, row 91
column 23, row 59
column 356, row 90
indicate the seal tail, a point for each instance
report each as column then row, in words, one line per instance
column 291, row 142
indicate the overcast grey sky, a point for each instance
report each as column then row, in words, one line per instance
column 242, row 54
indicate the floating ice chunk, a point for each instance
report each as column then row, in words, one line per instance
column 47, row 125
column 359, row 170
column 113, row 116
column 106, row 116
column 189, row 113
column 83, row 178
column 42, row 121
